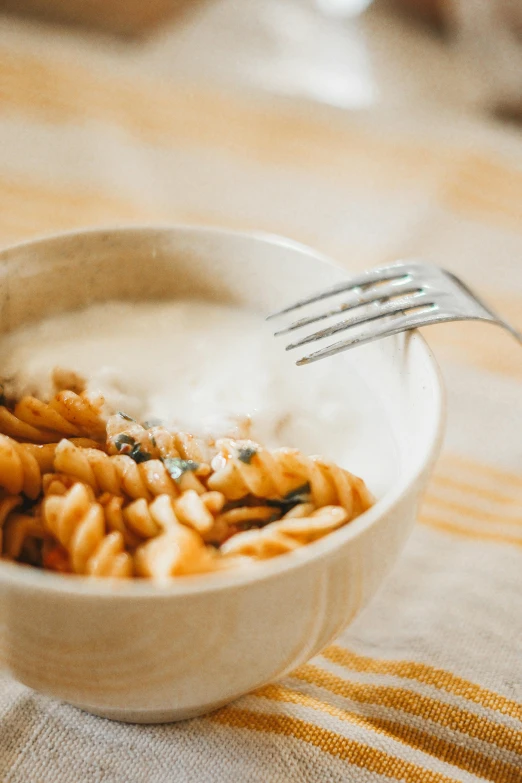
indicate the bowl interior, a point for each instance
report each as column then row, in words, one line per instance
column 71, row 271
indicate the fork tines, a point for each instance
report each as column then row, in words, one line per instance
column 392, row 291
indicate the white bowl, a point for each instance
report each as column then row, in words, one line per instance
column 135, row 652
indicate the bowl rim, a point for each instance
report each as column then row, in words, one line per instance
column 29, row 578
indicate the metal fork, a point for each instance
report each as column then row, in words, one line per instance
column 399, row 297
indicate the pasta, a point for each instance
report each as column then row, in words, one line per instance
column 19, row 469
column 122, row 474
column 292, row 531
column 20, row 530
column 125, row 435
column 67, row 414
column 7, row 505
column 84, row 494
column 78, row 524
column 244, row 467
column 176, row 550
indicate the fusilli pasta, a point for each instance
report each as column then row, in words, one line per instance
column 124, row 435
column 82, row 494
column 176, row 550
column 7, row 505
column 18, row 529
column 121, row 474
column 243, row 467
column 19, row 469
column 67, row 414
column 295, row 529
column 78, row 524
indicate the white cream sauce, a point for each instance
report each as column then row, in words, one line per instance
column 203, row 367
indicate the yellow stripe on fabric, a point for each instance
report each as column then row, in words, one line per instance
column 477, row 490
column 480, row 186
column 492, row 472
column 466, row 532
column 427, row 675
column 173, row 116
column 450, row 752
column 351, row 751
column 447, row 715
column 475, row 514
column 31, row 208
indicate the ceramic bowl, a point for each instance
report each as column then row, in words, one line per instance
column 136, row 652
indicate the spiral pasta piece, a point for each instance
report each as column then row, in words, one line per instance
column 78, row 524
column 83, row 494
column 16, row 428
column 19, row 469
column 116, row 520
column 7, row 505
column 121, row 474
column 22, row 465
column 17, row 530
column 292, row 531
column 59, row 484
column 244, row 468
column 141, row 520
column 175, row 551
column 124, row 434
column 44, row 453
column 67, row 414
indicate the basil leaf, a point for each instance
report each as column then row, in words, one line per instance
column 299, row 494
column 245, row 454
column 176, row 466
column 120, row 441
column 138, row 455
column 125, row 416
column 152, row 423
column 293, row 498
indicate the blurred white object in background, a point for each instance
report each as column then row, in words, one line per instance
column 342, row 8
column 315, row 54
column 314, row 49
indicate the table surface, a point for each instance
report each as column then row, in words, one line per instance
column 364, row 139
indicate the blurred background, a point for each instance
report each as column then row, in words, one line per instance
column 371, row 130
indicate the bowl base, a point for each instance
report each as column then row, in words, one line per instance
column 152, row 716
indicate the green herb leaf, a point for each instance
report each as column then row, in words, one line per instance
column 123, row 440
column 177, row 466
column 293, row 498
column 152, row 423
column 125, row 416
column 138, row 455
column 299, row 494
column 245, row 454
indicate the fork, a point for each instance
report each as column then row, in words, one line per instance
column 398, row 297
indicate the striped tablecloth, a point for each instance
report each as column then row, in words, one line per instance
column 425, row 686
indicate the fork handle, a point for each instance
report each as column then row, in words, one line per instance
column 516, row 334
column 495, row 316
